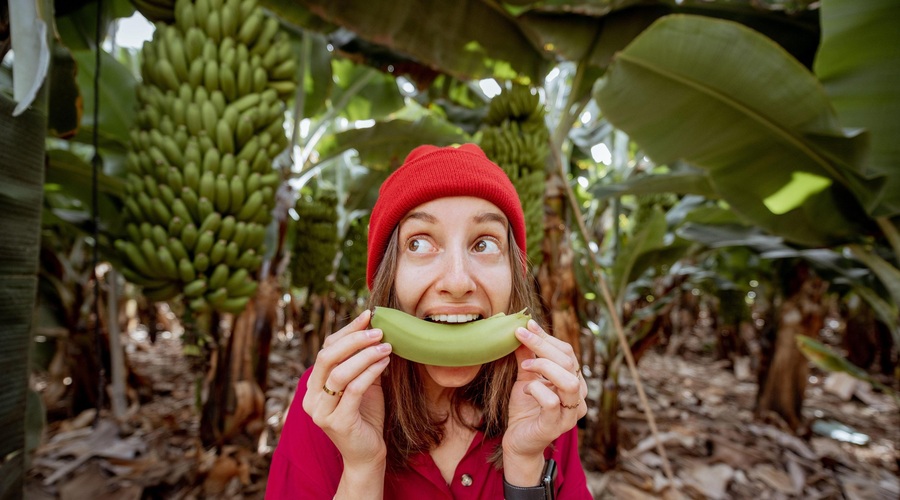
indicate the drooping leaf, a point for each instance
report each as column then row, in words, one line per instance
column 77, row 24
column 29, row 33
column 675, row 182
column 386, row 144
column 317, row 78
column 66, row 167
column 378, row 98
column 650, row 236
column 468, row 39
column 117, row 98
column 827, row 359
column 731, row 101
column 859, row 66
column 885, row 311
column 887, row 273
column 595, row 31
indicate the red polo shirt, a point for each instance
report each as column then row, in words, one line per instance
column 307, row 465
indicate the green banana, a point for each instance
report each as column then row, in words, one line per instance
column 217, row 254
column 223, row 195
column 201, row 262
column 218, row 277
column 234, row 305
column 204, row 243
column 442, row 344
column 167, row 262
column 232, row 252
column 177, row 248
column 189, row 236
column 186, row 271
column 237, row 278
column 195, row 288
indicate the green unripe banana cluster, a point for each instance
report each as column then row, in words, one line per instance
column 316, row 243
column 515, row 137
column 442, row 344
column 200, row 185
column 354, row 254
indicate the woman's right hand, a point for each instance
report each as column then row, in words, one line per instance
column 350, row 364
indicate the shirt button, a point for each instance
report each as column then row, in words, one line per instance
column 466, row 480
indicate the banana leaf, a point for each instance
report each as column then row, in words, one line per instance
column 377, row 99
column 674, row 182
column 21, row 191
column 628, row 265
column 468, row 39
column 595, row 31
column 385, row 145
column 118, row 102
column 729, row 100
column 858, row 66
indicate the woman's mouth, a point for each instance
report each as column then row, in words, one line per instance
column 453, row 318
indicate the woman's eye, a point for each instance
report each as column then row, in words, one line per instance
column 418, row 245
column 487, row 246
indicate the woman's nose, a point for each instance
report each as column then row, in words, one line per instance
column 456, row 278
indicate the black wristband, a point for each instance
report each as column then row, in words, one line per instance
column 546, row 490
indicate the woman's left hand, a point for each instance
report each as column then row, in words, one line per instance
column 548, row 396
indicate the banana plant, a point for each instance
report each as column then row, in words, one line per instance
column 23, row 126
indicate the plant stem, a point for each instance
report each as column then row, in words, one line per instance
column 892, row 234
column 566, row 120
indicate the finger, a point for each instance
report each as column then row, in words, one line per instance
column 351, row 401
column 545, row 397
column 348, row 371
column 565, row 381
column 544, row 345
column 341, row 382
column 350, row 344
column 359, row 323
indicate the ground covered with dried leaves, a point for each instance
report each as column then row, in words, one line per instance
column 703, row 409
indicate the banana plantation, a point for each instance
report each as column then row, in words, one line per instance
column 711, row 191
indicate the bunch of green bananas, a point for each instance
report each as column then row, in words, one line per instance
column 515, row 137
column 353, row 259
column 316, row 243
column 516, row 104
column 200, row 183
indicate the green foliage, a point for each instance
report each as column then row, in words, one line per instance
column 699, row 89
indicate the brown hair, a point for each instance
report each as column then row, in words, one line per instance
column 409, row 426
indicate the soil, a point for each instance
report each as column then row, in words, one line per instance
column 714, row 445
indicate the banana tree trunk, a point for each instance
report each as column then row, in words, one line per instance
column 603, row 438
column 556, row 276
column 782, row 383
column 234, row 410
column 21, row 200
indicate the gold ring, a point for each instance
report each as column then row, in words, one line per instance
column 330, row 392
column 570, row 407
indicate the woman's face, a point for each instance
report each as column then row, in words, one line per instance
column 454, row 260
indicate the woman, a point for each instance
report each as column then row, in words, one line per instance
column 446, row 243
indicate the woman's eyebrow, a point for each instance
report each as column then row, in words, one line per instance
column 423, row 216
column 490, row 217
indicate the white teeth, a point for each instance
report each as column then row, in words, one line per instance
column 454, row 318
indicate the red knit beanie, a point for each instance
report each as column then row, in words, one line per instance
column 429, row 173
